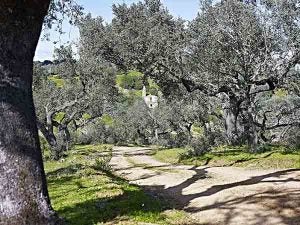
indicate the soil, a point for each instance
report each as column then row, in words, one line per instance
column 216, row 195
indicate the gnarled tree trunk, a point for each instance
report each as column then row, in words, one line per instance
column 232, row 126
column 251, row 131
column 23, row 190
column 48, row 134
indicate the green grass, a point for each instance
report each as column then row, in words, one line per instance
column 107, row 120
column 169, row 155
column 153, row 168
column 130, row 80
column 59, row 116
column 276, row 157
column 86, row 196
column 59, row 82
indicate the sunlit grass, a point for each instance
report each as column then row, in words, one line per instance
column 59, row 82
column 170, row 155
column 85, row 196
column 275, row 157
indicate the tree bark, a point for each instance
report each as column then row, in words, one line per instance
column 24, row 197
column 231, row 113
column 250, row 127
column 48, row 134
column 189, row 132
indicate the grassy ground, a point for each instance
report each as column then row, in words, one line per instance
column 84, row 195
column 59, row 82
column 169, row 155
column 275, row 157
column 149, row 167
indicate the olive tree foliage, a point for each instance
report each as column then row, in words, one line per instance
column 244, row 53
column 82, row 98
column 168, row 124
column 58, row 12
column 237, row 54
column 143, row 37
column 56, row 107
column 140, row 37
column 192, row 110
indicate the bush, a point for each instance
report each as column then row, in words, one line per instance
column 84, row 138
column 264, row 148
column 131, row 80
column 199, row 146
column 172, row 140
column 293, row 138
column 93, row 133
column 102, row 162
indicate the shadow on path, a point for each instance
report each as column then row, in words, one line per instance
column 278, row 200
column 283, row 205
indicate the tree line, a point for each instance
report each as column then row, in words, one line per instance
column 232, row 72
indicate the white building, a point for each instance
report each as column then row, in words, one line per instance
column 150, row 100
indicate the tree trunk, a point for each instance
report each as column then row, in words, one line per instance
column 189, row 131
column 48, row 134
column 63, row 137
column 64, row 130
column 252, row 134
column 230, row 126
column 24, row 197
column 250, row 127
column 59, row 143
column 231, row 113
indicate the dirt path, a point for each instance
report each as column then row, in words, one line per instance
column 217, row 195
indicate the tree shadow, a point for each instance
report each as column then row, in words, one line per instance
column 123, row 201
column 227, row 152
column 252, row 158
column 253, row 180
column 280, row 201
column 147, row 153
column 65, row 171
column 175, row 191
column 131, row 203
column 277, row 206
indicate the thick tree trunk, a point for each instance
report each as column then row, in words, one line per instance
column 23, row 190
column 231, row 126
column 64, row 139
column 252, row 134
column 231, row 113
column 189, row 132
column 65, row 133
column 60, row 142
column 250, row 127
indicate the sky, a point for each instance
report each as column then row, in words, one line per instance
column 186, row 9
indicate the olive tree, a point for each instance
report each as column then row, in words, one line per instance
column 240, row 53
column 85, row 92
column 234, row 51
column 23, row 190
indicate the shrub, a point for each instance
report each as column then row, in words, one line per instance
column 293, row 138
column 102, row 161
column 199, row 146
column 264, row 148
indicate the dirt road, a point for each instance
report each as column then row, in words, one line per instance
column 216, row 195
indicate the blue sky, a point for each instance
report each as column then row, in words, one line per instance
column 187, row 9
